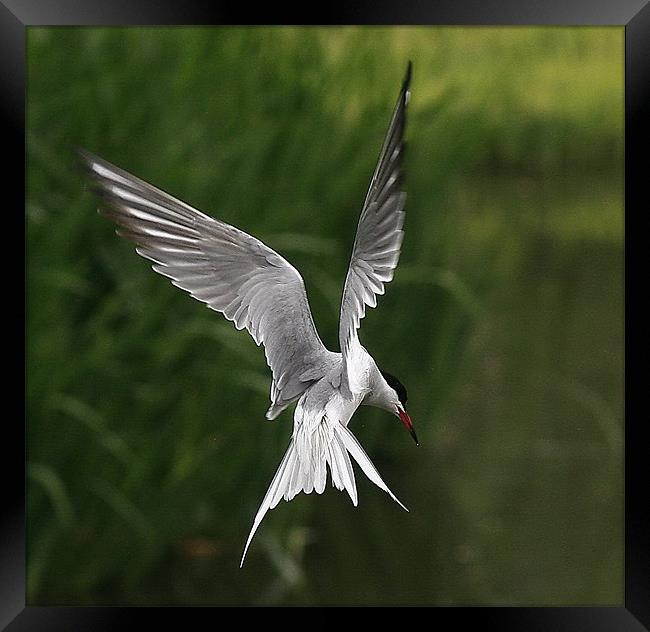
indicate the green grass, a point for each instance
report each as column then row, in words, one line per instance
column 147, row 448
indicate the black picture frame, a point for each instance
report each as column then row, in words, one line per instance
column 634, row 15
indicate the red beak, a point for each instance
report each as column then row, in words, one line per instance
column 408, row 424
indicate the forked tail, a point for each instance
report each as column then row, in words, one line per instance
column 304, row 468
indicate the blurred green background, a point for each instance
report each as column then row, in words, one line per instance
column 147, row 448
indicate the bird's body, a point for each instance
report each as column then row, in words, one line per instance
column 321, row 438
column 256, row 288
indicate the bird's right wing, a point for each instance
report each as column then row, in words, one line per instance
column 218, row 264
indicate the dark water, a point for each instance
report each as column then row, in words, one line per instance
column 516, row 491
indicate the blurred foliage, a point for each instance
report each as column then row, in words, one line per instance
column 147, row 448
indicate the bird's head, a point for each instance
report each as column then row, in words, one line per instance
column 397, row 402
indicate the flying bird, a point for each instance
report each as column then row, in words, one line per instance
column 259, row 290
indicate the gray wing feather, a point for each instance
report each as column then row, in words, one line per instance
column 232, row 272
column 376, row 249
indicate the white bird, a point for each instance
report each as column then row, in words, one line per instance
column 257, row 289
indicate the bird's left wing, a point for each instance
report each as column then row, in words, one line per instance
column 378, row 240
column 218, row 264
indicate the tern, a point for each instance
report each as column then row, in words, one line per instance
column 257, row 289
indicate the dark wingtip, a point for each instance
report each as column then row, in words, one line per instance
column 81, row 153
column 84, row 158
column 407, row 78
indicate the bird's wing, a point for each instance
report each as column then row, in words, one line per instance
column 378, row 240
column 218, row 264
